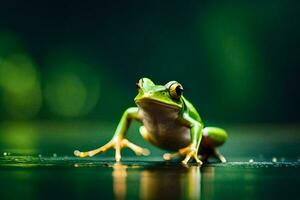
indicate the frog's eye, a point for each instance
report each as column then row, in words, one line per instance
column 139, row 84
column 175, row 90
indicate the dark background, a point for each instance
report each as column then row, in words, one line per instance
column 68, row 70
column 237, row 60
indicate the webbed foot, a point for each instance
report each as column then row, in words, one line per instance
column 188, row 152
column 117, row 144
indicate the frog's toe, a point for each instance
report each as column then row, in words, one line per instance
column 81, row 154
column 118, row 153
column 187, row 158
column 140, row 151
column 170, row 156
column 93, row 152
column 167, row 156
column 77, row 153
column 219, row 156
column 191, row 154
column 145, row 152
column 197, row 160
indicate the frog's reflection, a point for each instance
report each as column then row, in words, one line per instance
column 164, row 182
column 119, row 175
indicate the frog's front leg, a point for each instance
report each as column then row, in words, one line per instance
column 118, row 141
column 191, row 151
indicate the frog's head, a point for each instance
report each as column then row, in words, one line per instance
column 167, row 96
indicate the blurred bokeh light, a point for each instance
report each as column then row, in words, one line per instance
column 71, row 87
column 237, row 61
column 19, row 80
column 68, row 71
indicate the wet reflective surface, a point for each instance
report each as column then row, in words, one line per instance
column 69, row 177
column 36, row 162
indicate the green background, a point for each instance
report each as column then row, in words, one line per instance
column 237, row 60
column 68, row 71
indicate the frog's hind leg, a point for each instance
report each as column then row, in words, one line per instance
column 212, row 138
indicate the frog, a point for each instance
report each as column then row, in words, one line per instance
column 168, row 121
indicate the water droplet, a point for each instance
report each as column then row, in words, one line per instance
column 55, row 155
column 5, row 154
column 274, row 159
column 40, row 155
column 251, row 161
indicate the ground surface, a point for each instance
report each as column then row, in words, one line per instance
column 37, row 163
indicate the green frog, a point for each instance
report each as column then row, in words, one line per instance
column 169, row 121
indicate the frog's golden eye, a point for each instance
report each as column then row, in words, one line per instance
column 175, row 90
column 139, row 84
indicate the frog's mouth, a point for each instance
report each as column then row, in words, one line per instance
column 153, row 103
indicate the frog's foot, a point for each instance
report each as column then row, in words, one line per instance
column 191, row 153
column 219, row 156
column 117, row 144
column 188, row 152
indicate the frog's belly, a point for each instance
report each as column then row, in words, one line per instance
column 164, row 129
